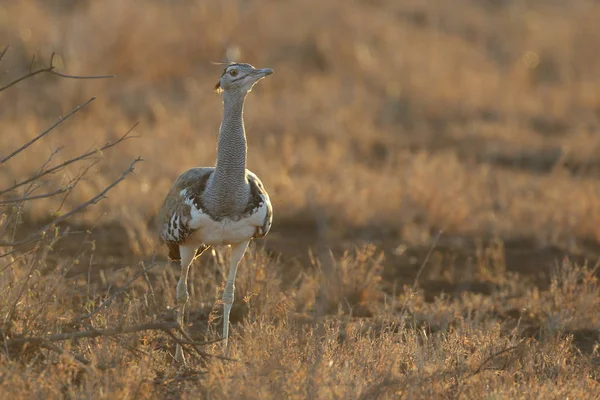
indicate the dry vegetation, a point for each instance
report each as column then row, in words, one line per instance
column 386, row 122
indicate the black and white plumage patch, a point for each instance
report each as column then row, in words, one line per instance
column 174, row 215
column 259, row 198
column 185, row 193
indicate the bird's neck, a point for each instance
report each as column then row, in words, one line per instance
column 228, row 188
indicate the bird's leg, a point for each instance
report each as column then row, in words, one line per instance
column 237, row 252
column 187, row 256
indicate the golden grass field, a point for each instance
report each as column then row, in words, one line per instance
column 434, row 169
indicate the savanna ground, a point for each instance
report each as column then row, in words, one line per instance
column 434, row 173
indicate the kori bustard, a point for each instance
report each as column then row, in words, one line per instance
column 222, row 205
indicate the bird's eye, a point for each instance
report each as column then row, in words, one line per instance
column 233, row 72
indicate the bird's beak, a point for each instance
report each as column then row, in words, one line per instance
column 263, row 72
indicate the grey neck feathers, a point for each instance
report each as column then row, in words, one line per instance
column 227, row 191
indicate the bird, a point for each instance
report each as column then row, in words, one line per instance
column 224, row 205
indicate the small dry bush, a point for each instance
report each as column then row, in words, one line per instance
column 350, row 284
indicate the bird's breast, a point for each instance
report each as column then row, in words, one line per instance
column 225, row 231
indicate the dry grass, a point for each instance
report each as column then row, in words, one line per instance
column 384, row 123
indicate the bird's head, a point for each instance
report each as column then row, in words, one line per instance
column 240, row 78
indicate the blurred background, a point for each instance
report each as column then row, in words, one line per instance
column 385, row 122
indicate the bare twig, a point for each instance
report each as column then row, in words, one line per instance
column 190, row 341
column 62, row 75
column 37, row 197
column 147, row 278
column 179, row 378
column 92, row 333
column 26, row 76
column 50, row 158
column 15, row 259
column 192, row 344
column 164, row 326
column 206, row 343
column 3, row 52
column 49, row 69
column 75, row 181
column 34, row 185
column 84, row 156
column 115, row 294
column 53, row 347
column 136, row 352
column 40, row 238
column 33, row 61
column 44, row 133
column 494, row 355
column 421, row 268
column 9, row 317
column 426, row 260
column 94, row 200
column 99, row 196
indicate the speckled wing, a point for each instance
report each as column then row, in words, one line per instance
column 261, row 204
column 175, row 214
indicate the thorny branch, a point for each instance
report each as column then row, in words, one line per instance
column 44, row 133
column 84, row 156
column 75, row 181
column 35, row 181
column 51, row 70
column 494, row 355
column 46, row 341
column 50, row 158
column 40, row 233
column 50, row 346
column 39, row 196
column 92, row 333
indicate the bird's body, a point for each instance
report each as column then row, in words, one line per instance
column 222, row 205
column 186, row 220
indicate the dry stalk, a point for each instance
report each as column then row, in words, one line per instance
column 47, row 341
column 41, row 233
column 50, row 69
